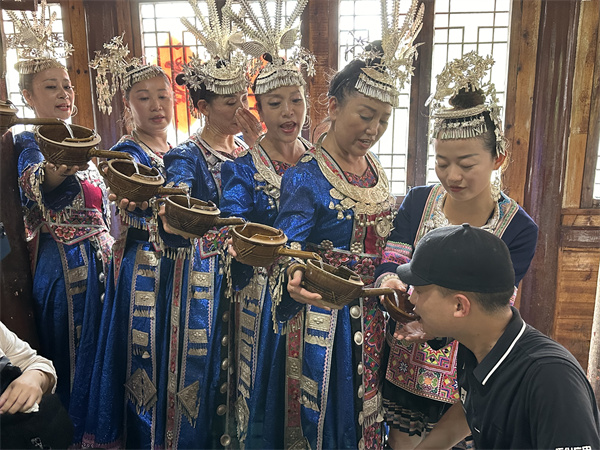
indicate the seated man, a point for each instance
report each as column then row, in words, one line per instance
column 38, row 374
column 519, row 388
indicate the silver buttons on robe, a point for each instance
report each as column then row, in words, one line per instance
column 101, row 277
column 355, row 312
column 221, row 410
column 360, row 369
column 358, row 338
column 225, row 440
column 225, row 364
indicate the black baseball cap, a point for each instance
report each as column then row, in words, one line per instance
column 462, row 258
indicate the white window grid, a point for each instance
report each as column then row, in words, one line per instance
column 161, row 27
column 12, row 76
column 462, row 26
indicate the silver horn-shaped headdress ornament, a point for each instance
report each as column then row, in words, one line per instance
column 266, row 39
column 387, row 70
column 225, row 72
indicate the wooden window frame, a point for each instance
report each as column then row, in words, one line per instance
column 593, row 139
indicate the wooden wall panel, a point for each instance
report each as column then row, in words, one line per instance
column 576, row 293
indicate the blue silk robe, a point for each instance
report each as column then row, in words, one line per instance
column 251, row 186
column 128, row 408
column 338, row 351
column 199, row 359
column 68, row 234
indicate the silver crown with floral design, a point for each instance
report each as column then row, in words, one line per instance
column 388, row 70
column 117, row 71
column 225, row 72
column 38, row 48
column 265, row 39
column 466, row 74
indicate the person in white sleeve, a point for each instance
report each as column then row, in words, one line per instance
column 38, row 376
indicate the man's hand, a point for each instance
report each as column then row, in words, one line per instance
column 24, row 392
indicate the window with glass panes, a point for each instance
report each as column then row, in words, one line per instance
column 12, row 76
column 460, row 26
column 166, row 42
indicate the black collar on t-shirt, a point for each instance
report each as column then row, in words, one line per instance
column 494, row 359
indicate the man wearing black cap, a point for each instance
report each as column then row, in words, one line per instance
column 518, row 388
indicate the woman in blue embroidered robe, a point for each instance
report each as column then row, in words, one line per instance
column 251, row 187
column 336, row 202
column 67, row 226
column 128, row 408
column 198, row 360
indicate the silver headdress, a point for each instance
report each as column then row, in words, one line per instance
column 38, row 48
column 225, row 72
column 466, row 74
column 386, row 72
column 116, row 72
column 266, row 40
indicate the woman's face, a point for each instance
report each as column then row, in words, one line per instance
column 151, row 104
column 464, row 167
column 51, row 94
column 283, row 110
column 358, row 123
column 220, row 112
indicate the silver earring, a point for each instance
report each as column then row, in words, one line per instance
column 496, row 186
column 74, row 110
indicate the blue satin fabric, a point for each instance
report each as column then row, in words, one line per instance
column 116, row 417
column 265, row 393
column 199, row 313
column 305, row 216
column 67, row 311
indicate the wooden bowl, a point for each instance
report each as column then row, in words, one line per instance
column 260, row 245
column 338, row 286
column 133, row 181
column 399, row 307
column 192, row 218
column 58, row 147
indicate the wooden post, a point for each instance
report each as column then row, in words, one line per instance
column 547, row 154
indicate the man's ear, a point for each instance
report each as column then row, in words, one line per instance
column 462, row 305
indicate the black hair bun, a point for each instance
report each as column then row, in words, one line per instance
column 180, row 80
column 467, row 99
column 377, row 49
